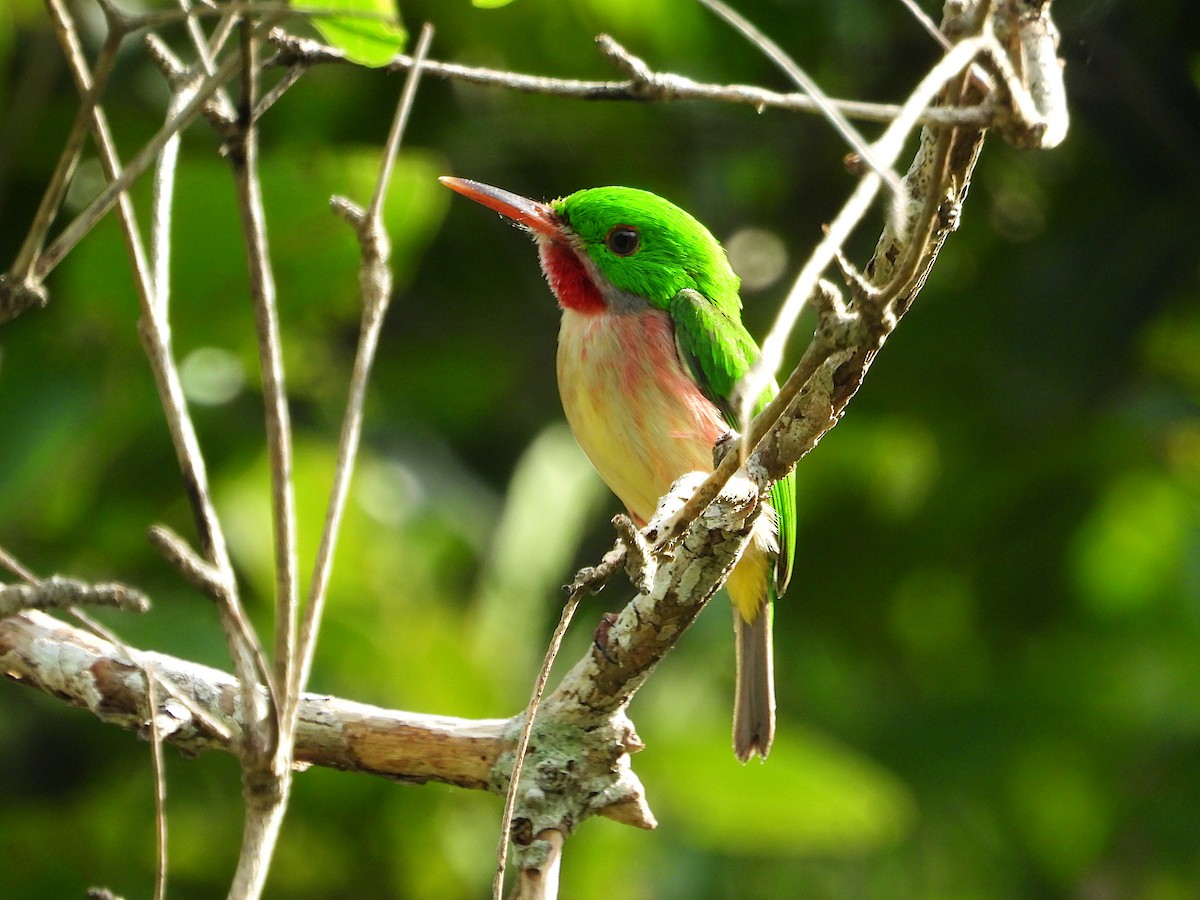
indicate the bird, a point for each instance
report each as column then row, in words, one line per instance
column 651, row 347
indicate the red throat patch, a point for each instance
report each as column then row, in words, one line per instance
column 569, row 278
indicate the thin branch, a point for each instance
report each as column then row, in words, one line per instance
column 142, row 160
column 199, row 573
column 154, row 330
column 514, row 780
column 375, row 283
column 852, row 212
column 243, row 157
column 19, row 289
column 56, row 189
column 60, row 592
column 281, row 87
column 160, row 789
column 103, row 202
column 162, row 202
column 15, row 566
column 831, row 113
column 927, row 23
column 155, row 18
column 654, row 86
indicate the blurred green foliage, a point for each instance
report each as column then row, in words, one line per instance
column 988, row 665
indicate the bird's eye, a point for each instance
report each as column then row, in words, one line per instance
column 623, row 240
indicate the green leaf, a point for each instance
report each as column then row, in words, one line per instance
column 490, row 4
column 370, row 35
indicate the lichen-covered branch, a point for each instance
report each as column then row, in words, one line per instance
column 93, row 674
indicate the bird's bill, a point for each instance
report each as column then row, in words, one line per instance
column 525, row 212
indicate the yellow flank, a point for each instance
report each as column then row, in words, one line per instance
column 747, row 583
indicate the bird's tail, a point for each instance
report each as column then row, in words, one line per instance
column 754, row 700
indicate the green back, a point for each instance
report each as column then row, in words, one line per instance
column 680, row 268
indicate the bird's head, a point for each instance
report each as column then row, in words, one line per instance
column 615, row 249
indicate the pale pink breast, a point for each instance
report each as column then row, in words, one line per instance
column 637, row 414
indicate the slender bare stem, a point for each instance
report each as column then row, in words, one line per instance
column 535, row 700
column 14, row 565
column 160, row 788
column 56, row 190
column 156, row 18
column 888, row 148
column 375, row 281
column 142, row 160
column 161, row 205
column 244, row 159
column 927, row 23
column 823, row 103
column 155, row 333
column 205, row 54
column 657, row 87
column 267, row 765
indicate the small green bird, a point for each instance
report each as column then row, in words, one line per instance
column 650, row 349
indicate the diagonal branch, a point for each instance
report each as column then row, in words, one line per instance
column 835, row 362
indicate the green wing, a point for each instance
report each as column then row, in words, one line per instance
column 718, row 351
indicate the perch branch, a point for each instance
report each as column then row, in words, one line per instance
column 830, row 371
column 582, row 728
column 94, row 674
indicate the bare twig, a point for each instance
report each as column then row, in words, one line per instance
column 202, row 575
column 888, row 147
column 647, row 86
column 56, row 190
column 59, row 592
column 142, row 160
column 19, row 289
column 267, row 761
column 15, row 566
column 927, row 23
column 833, row 115
column 243, row 158
column 155, row 333
column 530, row 717
column 160, row 789
column 375, row 283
